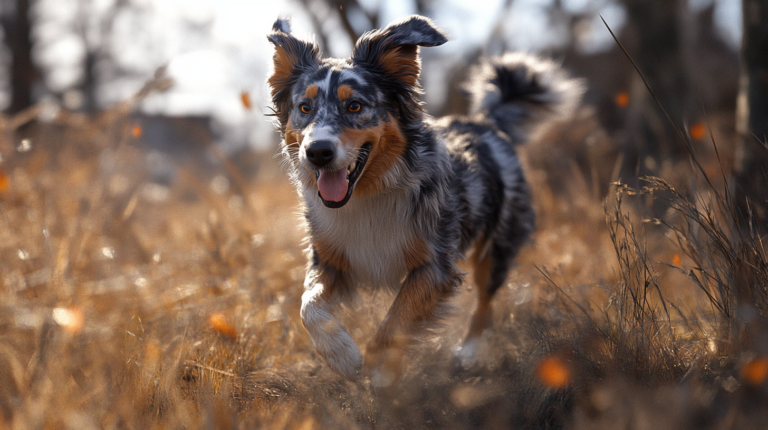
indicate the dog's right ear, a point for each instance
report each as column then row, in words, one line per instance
column 292, row 58
column 394, row 52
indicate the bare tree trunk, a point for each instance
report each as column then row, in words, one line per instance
column 345, row 7
column 97, row 51
column 751, row 177
column 90, row 82
column 655, row 39
column 24, row 73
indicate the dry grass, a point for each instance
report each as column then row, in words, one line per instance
column 129, row 302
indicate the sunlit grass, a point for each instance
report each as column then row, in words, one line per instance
column 134, row 302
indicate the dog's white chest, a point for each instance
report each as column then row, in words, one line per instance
column 372, row 233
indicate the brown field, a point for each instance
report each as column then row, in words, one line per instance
column 132, row 299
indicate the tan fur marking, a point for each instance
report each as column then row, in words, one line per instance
column 355, row 138
column 292, row 141
column 481, row 260
column 417, row 254
column 416, row 302
column 344, row 92
column 402, row 62
column 284, row 63
column 331, row 256
column 311, row 91
column 388, row 145
column 422, row 291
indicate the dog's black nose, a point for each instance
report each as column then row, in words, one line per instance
column 320, row 152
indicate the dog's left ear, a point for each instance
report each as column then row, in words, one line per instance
column 394, row 51
column 292, row 57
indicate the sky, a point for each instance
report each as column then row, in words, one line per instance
column 217, row 49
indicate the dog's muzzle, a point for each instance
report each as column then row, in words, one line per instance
column 320, row 152
column 335, row 186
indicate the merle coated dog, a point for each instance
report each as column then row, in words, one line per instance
column 393, row 198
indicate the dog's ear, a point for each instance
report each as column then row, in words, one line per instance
column 394, row 50
column 292, row 58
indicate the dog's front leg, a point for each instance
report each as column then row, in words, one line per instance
column 331, row 339
column 423, row 290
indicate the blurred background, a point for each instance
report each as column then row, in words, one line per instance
column 151, row 253
column 86, row 55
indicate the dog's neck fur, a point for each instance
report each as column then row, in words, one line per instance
column 370, row 232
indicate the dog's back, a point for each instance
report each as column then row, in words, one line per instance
column 512, row 96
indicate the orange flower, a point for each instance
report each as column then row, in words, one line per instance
column 755, row 372
column 622, row 99
column 554, row 372
column 697, row 131
column 245, row 99
column 136, row 131
column 218, row 321
column 5, row 182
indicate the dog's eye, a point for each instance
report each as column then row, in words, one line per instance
column 305, row 108
column 354, row 107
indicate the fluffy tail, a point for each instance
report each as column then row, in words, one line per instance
column 521, row 92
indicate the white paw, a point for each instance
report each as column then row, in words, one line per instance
column 331, row 339
column 383, row 378
column 341, row 353
column 467, row 352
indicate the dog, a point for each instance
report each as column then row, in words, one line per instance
column 393, row 198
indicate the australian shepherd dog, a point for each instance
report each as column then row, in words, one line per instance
column 394, row 198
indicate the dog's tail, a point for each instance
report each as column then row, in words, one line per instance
column 521, row 92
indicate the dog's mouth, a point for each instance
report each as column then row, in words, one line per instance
column 335, row 186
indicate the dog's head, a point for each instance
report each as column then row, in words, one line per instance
column 343, row 120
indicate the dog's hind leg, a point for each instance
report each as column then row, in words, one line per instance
column 492, row 260
column 330, row 337
column 491, row 265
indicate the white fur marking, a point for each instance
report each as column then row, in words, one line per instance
column 330, row 337
column 348, row 74
column 381, row 378
column 467, row 352
column 372, row 232
column 321, row 133
column 343, row 156
column 325, row 84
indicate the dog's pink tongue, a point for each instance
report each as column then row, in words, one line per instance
column 333, row 185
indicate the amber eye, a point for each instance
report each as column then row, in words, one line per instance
column 354, row 107
column 305, row 108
